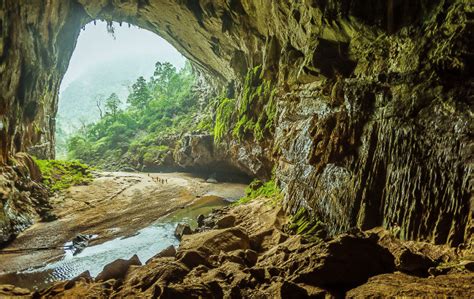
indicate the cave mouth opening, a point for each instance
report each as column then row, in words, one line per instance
column 125, row 86
column 111, row 59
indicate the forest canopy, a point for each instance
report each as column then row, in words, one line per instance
column 161, row 106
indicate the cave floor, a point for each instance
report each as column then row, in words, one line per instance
column 114, row 205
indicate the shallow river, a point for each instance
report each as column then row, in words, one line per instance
column 145, row 243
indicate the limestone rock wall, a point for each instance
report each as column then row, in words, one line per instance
column 389, row 143
column 36, row 42
column 23, row 199
column 374, row 97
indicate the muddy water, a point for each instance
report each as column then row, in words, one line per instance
column 145, row 243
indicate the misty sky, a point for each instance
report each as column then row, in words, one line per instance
column 95, row 45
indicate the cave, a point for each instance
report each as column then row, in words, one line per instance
column 373, row 126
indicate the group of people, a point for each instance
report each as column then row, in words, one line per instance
column 158, row 179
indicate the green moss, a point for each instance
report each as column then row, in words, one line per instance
column 257, row 110
column 59, row 175
column 206, row 124
column 253, row 116
column 224, row 113
column 258, row 189
column 37, row 129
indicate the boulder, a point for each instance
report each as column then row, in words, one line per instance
column 80, row 242
column 192, row 259
column 402, row 285
column 84, row 276
column 158, row 272
column 412, row 257
column 211, row 180
column 414, row 263
column 200, row 220
column 226, row 221
column 169, row 251
column 181, row 230
column 213, row 241
column 286, row 290
column 117, row 269
column 341, row 263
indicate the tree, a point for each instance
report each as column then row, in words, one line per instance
column 99, row 99
column 164, row 74
column 163, row 105
column 112, row 104
column 139, row 96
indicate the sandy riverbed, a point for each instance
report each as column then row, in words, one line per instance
column 113, row 205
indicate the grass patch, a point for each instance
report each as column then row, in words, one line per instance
column 258, row 189
column 59, row 175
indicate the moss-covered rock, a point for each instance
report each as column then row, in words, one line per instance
column 257, row 189
column 59, row 175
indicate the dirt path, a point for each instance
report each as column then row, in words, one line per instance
column 113, row 205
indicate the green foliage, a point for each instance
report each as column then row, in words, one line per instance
column 223, row 118
column 303, row 224
column 153, row 153
column 112, row 104
column 258, row 189
column 163, row 106
column 159, row 107
column 257, row 109
column 206, row 124
column 59, row 175
column 82, row 99
column 255, row 113
column 139, row 95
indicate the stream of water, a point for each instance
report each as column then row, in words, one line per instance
column 145, row 243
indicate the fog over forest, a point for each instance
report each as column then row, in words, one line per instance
column 104, row 63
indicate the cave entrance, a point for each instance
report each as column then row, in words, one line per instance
column 107, row 61
column 126, row 102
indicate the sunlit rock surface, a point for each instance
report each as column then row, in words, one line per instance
column 374, row 98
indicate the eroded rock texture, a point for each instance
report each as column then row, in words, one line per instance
column 374, row 97
column 22, row 198
column 391, row 144
column 253, row 256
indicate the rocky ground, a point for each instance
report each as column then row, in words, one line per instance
column 248, row 251
column 113, row 205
